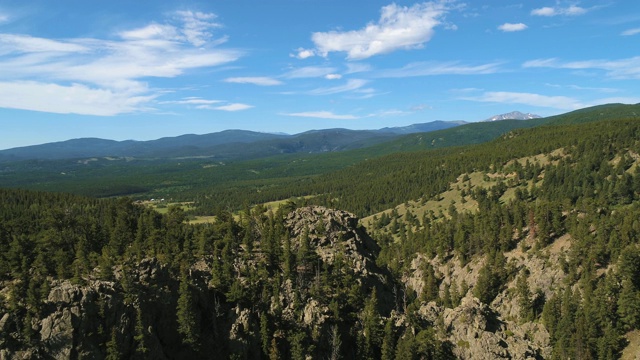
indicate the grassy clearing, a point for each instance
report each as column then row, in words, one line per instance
column 633, row 348
column 440, row 204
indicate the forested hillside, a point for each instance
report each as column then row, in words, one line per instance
column 523, row 247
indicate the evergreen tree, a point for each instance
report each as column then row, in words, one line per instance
column 113, row 351
column 187, row 322
column 629, row 306
column 388, row 341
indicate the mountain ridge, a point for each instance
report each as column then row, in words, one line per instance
column 229, row 143
column 514, row 115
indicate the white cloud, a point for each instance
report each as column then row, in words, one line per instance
column 233, row 107
column 630, row 32
column 197, row 25
column 192, row 101
column 399, row 27
column 557, row 102
column 353, row 68
column 261, row 81
column 4, row 18
column 390, row 113
column 439, row 68
column 73, row 99
column 151, row 31
column 333, row 76
column 572, row 10
column 508, row 27
column 544, row 11
column 304, row 53
column 310, row 72
column 17, row 44
column 323, row 115
column 352, row 84
column 618, row 69
column 109, row 70
column 584, row 88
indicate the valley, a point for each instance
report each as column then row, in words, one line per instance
column 507, row 239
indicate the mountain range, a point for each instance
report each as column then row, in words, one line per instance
column 224, row 145
column 514, row 115
column 232, row 144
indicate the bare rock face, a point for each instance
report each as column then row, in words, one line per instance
column 331, row 231
column 477, row 332
column 496, row 330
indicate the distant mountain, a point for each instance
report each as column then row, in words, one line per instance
column 514, row 115
column 425, row 127
column 224, row 145
column 94, row 147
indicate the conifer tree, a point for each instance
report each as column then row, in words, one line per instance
column 187, row 322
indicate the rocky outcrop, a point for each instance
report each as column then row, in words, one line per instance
column 77, row 321
column 332, row 232
column 477, row 332
column 495, row 330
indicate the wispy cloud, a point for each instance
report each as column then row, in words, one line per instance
column 261, row 81
column 75, row 98
column 333, row 76
column 399, row 28
column 323, row 115
column 206, row 104
column 619, row 69
column 108, row 77
column 439, row 68
column 509, row 27
column 556, row 102
column 351, row 85
column 585, row 88
column 630, row 32
column 353, row 68
column 310, row 72
column 572, row 10
column 192, row 101
column 233, row 107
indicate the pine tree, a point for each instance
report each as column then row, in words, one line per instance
column 264, row 333
column 140, row 336
column 187, row 323
column 113, row 351
column 371, row 331
column 524, row 297
column 335, row 342
column 629, row 306
column 388, row 341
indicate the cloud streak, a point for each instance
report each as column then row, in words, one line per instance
column 398, row 28
column 351, row 85
column 323, row 115
column 508, row 27
column 433, row 68
column 630, row 32
column 556, row 102
column 572, row 10
column 260, row 81
column 628, row 68
column 108, row 72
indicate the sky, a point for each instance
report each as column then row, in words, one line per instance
column 148, row 69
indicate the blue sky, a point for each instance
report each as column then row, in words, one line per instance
column 147, row 69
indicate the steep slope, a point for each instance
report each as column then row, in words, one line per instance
column 532, row 251
column 294, row 285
